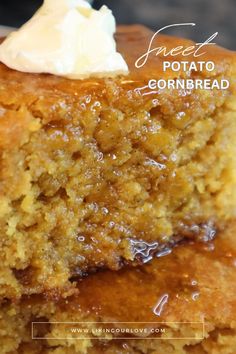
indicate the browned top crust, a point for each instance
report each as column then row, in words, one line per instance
column 54, row 93
column 132, row 42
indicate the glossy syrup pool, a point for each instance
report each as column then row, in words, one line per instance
column 175, row 286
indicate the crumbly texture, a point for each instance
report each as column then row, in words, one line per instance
column 200, row 281
column 92, row 171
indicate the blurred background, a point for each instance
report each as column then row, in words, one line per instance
column 209, row 15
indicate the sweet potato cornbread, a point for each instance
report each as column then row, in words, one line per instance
column 101, row 172
column 198, row 283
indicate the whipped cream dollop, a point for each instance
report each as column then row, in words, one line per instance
column 66, row 38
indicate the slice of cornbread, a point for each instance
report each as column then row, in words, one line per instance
column 101, row 172
column 197, row 282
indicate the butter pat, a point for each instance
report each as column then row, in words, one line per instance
column 66, row 38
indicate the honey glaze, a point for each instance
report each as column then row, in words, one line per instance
column 196, row 282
